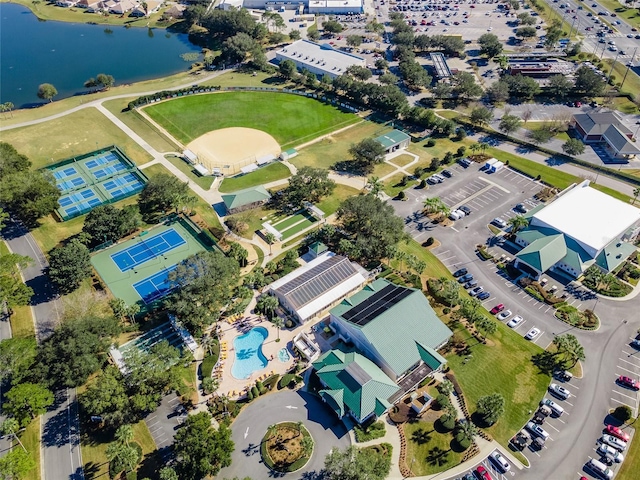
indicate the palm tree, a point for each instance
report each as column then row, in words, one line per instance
column 278, row 323
column 436, row 205
column 607, row 281
column 124, row 434
column 518, row 223
column 11, row 427
column 475, row 147
column 374, row 185
column 207, row 342
column 484, row 146
column 636, row 193
column 267, row 304
column 271, row 239
column 401, row 257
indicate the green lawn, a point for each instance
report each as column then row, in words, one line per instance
column 71, row 135
column 629, row 469
column 435, row 268
column 30, row 438
column 295, row 229
column 21, row 320
column 290, row 119
column 329, row 205
column 502, row 366
column 184, row 167
column 402, row 160
column 631, row 15
column 272, row 172
column 423, row 445
column 532, row 126
column 335, row 148
column 393, row 185
column 140, row 125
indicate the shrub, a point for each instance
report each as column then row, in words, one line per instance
column 622, row 413
column 286, row 381
column 402, row 195
column 430, row 143
column 446, row 310
column 448, row 422
column 249, row 395
column 261, row 388
column 442, row 401
column 463, row 442
column 289, row 323
column 461, row 151
column 423, row 184
column 429, row 242
column 255, row 392
column 271, row 382
column 370, row 432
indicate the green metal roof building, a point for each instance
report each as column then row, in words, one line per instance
column 246, row 199
column 354, row 385
column 396, row 328
column 394, row 140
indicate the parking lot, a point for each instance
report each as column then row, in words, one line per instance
column 164, row 422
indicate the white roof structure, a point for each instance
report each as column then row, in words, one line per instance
column 319, row 284
column 590, row 217
column 336, row 5
column 319, row 58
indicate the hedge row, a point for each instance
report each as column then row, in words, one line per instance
column 167, row 94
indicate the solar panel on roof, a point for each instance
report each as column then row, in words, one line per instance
column 376, row 304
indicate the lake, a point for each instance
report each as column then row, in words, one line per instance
column 68, row 54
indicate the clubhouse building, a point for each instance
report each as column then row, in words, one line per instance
column 606, row 128
column 581, row 228
column 320, row 59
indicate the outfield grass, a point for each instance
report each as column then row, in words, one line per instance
column 290, row 119
column 422, row 441
column 140, row 125
column 30, row 438
column 75, row 134
column 203, row 182
column 272, row 172
column 335, row 148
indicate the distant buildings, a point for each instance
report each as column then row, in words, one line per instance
column 320, row 59
column 607, row 128
column 312, row 6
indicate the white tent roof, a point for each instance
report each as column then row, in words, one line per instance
column 589, row 216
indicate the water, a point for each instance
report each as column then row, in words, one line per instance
column 283, row 355
column 248, row 353
column 68, row 54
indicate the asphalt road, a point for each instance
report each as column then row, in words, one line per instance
column 592, row 396
column 251, row 425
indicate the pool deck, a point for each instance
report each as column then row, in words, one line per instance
column 228, row 384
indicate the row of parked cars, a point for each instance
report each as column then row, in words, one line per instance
column 611, row 444
column 470, row 284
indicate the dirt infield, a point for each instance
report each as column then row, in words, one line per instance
column 230, row 149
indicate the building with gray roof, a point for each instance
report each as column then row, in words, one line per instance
column 320, row 59
column 440, row 65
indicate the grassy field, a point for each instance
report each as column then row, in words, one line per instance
column 77, row 133
column 393, row 185
column 329, row 205
column 184, row 167
column 30, row 438
column 631, row 15
column 631, row 83
column 335, row 148
column 290, row 119
column 140, row 125
column 423, row 445
column 629, row 469
column 270, row 173
column 49, row 11
column 503, row 366
column 533, row 126
column 402, row 160
column 435, row 268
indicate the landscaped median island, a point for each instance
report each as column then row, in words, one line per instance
column 286, row 447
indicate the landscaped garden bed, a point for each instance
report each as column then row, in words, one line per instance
column 586, row 320
column 286, row 447
column 605, row 284
column 365, row 433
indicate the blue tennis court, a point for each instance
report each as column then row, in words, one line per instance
column 109, row 170
column 67, row 172
column 79, row 202
column 147, row 249
column 66, row 185
column 123, row 185
column 156, row 286
column 102, row 160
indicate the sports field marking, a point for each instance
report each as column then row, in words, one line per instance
column 155, row 286
column 147, row 249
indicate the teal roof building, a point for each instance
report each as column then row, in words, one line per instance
column 246, row 199
column 394, row 140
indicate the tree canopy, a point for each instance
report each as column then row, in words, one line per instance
column 29, row 195
column 201, row 450
column 13, row 291
column 588, row 83
column 46, row 91
column 309, row 184
column 69, row 265
column 11, row 161
column 106, row 223
column 162, row 193
column 26, row 401
column 573, row 146
column 491, row 407
column 490, row 45
column 509, row 124
column 354, row 463
column 367, row 153
column 17, row 355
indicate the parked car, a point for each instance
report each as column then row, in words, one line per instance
column 461, row 272
column 555, row 408
column 498, row 222
column 465, row 209
column 532, row 334
column 465, row 278
column 482, row 473
column 635, row 343
column 484, row 295
column 497, row 309
column 515, row 321
column 447, row 173
column 471, row 284
column 537, row 430
column 521, row 208
column 476, row 291
column 609, row 452
column 617, row 432
column 615, row 442
column 501, row 462
column 599, row 469
column 629, row 382
column 504, row 315
column 559, row 391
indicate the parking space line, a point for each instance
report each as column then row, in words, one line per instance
column 627, row 361
column 622, row 403
column 624, row 395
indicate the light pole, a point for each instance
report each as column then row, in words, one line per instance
column 635, row 135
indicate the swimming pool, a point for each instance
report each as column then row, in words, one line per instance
column 283, row 355
column 248, row 353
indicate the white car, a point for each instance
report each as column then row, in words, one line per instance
column 476, row 291
column 515, row 321
column 559, row 391
column 498, row 222
column 532, row 334
column 610, row 452
column 500, row 461
column 614, row 442
column 537, row 430
column 504, row 314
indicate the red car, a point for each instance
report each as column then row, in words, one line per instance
column 629, row 382
column 483, row 473
column 617, row 432
column 497, row 309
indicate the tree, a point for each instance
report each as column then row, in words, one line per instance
column 367, row 153
column 200, row 449
column 16, row 464
column 168, row 473
column 270, row 239
column 465, row 433
column 509, row 124
column 26, row 401
column 106, row 397
column 124, row 434
column 309, row 184
column 374, row 27
column 354, row 40
column 435, row 205
column 8, row 107
column 636, row 193
column 359, row 72
column 526, row 19
column 267, row 305
column 288, row 69
column 518, row 223
column 106, row 223
column 11, row 427
column 490, row 45
column 526, row 32
column 238, row 252
column 17, row 355
column 313, row 35
column 278, row 323
column 588, row 83
column 11, row 161
column 105, row 81
column 481, row 116
column 374, row 185
column 356, row 464
column 465, row 86
column 46, row 91
column 569, row 347
column 122, row 457
column 498, row 92
column 623, row 413
column 331, row 26
column 573, row 146
column 29, row 195
column 491, row 407
column 559, row 86
column 69, row 265
column 388, row 79
column 415, row 75
column 487, row 325
column 521, row 87
column 381, row 64
column 441, row 90
column 295, row 35
column 13, row 291
column 163, row 192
